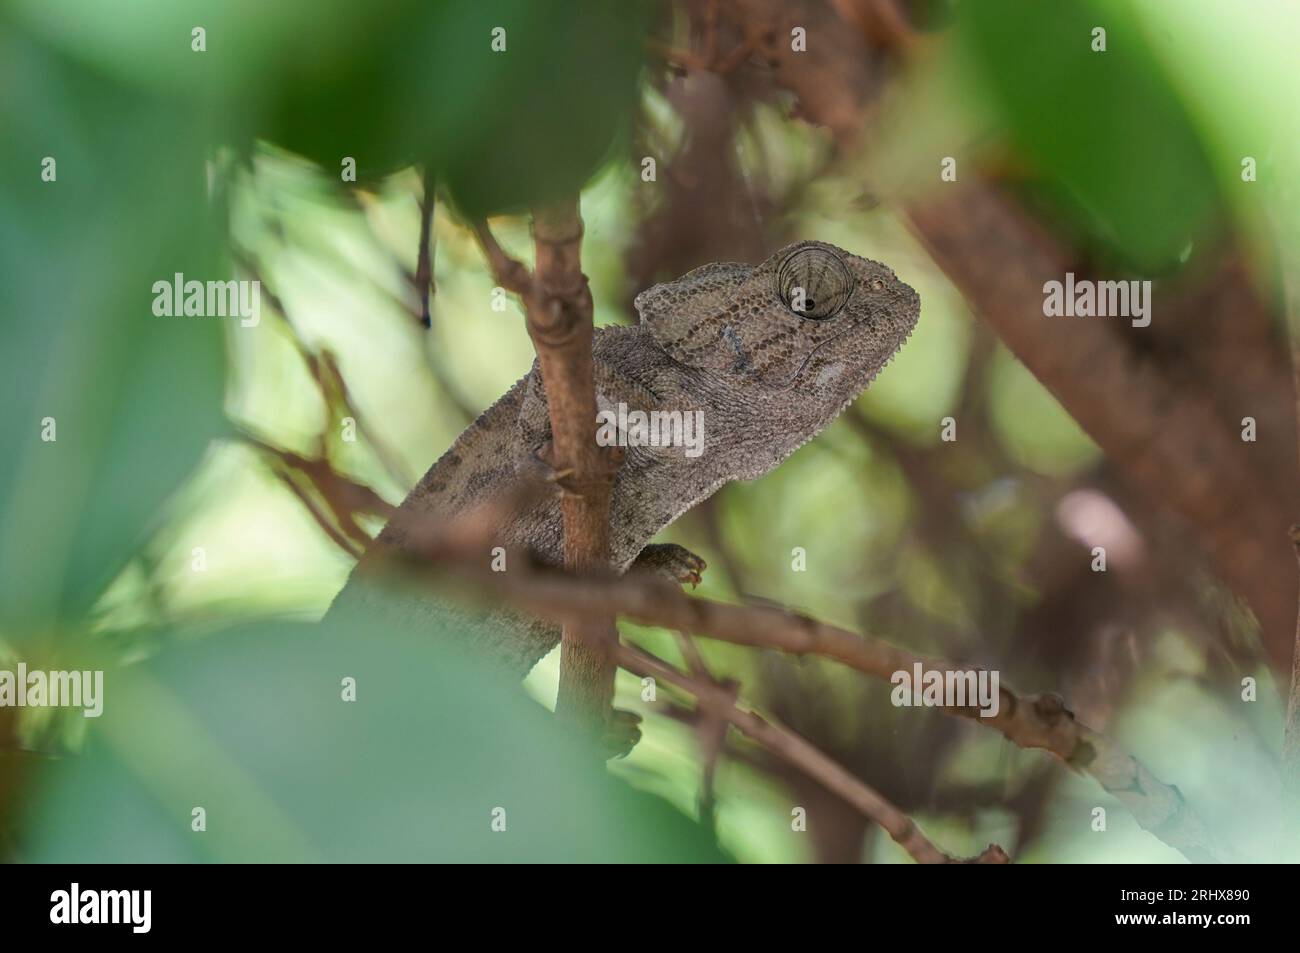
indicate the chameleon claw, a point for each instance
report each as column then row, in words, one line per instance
column 622, row 732
column 673, row 562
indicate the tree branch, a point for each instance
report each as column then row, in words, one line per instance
column 798, row 752
column 1291, row 733
column 1165, row 440
column 508, row 272
column 1035, row 721
column 423, row 279
column 1290, row 267
column 560, row 325
column 343, row 496
column 558, row 307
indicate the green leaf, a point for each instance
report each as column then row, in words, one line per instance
column 1116, row 154
column 251, row 725
column 134, row 398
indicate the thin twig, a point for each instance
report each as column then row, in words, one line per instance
column 798, row 752
column 1290, row 266
column 1291, row 734
column 344, row 497
column 1034, row 721
column 331, row 382
column 508, row 272
column 424, row 264
column 325, row 373
column 681, row 59
column 710, row 730
column 344, row 541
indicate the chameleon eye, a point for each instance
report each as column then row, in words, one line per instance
column 877, row 284
column 814, row 283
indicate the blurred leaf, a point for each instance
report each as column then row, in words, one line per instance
column 134, row 397
column 149, row 44
column 1244, row 106
column 1116, row 150
column 252, row 727
column 536, row 121
column 502, row 128
column 388, row 83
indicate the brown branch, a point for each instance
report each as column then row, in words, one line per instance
column 560, row 324
column 798, row 752
column 1040, row 721
column 1290, row 267
column 681, row 59
column 343, row 496
column 691, row 653
column 424, row 264
column 508, row 272
column 1291, row 735
column 1035, row 721
column 880, row 22
column 710, row 729
column 323, row 367
column 336, row 393
column 1147, row 425
column 558, row 308
column 354, row 547
column 1165, row 440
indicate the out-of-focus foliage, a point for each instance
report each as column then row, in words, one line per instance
column 1107, row 140
column 248, row 724
column 1234, row 69
column 962, row 549
column 437, row 759
column 508, row 103
column 134, row 398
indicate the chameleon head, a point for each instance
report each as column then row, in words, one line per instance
column 812, row 319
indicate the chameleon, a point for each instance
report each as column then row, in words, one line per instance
column 765, row 356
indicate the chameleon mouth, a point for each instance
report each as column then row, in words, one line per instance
column 864, row 325
column 789, row 382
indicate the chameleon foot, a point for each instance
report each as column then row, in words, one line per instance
column 538, row 465
column 622, row 732
column 670, row 561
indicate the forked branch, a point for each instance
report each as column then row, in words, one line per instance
column 798, row 752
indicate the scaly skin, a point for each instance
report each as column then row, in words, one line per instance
column 721, row 339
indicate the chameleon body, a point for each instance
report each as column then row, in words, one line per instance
column 769, row 354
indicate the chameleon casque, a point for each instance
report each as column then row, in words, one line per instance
column 770, row 354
